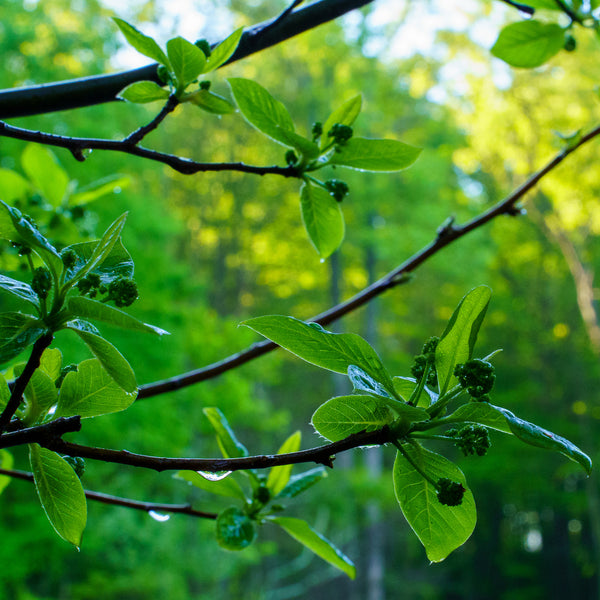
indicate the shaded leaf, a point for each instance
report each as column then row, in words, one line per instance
column 17, row 331
column 19, row 289
column 301, row 482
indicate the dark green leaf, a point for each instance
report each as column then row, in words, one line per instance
column 19, row 289
column 482, row 413
column 223, row 52
column 142, row 92
column 17, row 331
column 375, row 155
column 227, row 486
column 47, row 175
column 458, row 340
column 142, row 43
column 212, row 103
column 323, row 219
column 91, row 391
column 302, row 532
column 344, row 115
column 235, row 530
column 60, row 493
column 229, row 444
column 440, row 528
column 529, row 44
column 186, row 59
column 279, row 476
column 301, row 482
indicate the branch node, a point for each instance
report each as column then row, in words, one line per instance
column 515, row 211
column 446, row 228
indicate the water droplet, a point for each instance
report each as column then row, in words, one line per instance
column 217, row 476
column 161, row 518
column 86, row 152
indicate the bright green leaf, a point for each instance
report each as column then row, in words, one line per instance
column 47, row 175
column 323, row 219
column 142, row 92
column 186, row 59
column 440, row 528
column 306, row 147
column 342, row 416
column 13, row 186
column 260, row 109
column 212, row 103
column 112, row 360
column 482, row 413
column 227, row 486
column 19, row 289
column 344, row 115
column 301, row 482
column 229, row 444
column 142, row 43
column 91, row 391
column 97, row 189
column 60, row 493
column 405, row 386
column 51, row 363
column 279, row 476
column 6, row 462
column 375, row 155
column 17, row 331
column 235, row 530
column 529, row 43
column 223, row 52
column 41, row 394
column 457, row 341
column 302, row 532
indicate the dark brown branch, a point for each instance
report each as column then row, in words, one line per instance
column 139, row 134
column 183, row 509
column 42, row 99
column 47, row 431
column 446, row 234
column 322, row 455
column 182, row 165
column 21, row 383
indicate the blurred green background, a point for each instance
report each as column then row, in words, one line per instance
column 214, row 249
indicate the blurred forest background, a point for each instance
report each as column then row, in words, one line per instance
column 214, row 249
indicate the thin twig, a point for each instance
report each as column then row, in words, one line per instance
column 446, row 235
column 522, row 7
column 139, row 134
column 183, row 509
column 21, row 383
column 281, row 17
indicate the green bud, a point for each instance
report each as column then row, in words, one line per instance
column 205, row 85
column 122, row 291
column 77, row 463
column 63, row 374
column 290, row 158
column 204, row 46
column 262, row 494
column 450, row 492
column 163, row 74
column 340, row 133
column 317, row 130
column 69, row 258
column 570, row 43
column 338, row 189
column 476, row 376
column 41, row 282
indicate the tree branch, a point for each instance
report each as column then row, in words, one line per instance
column 447, row 234
column 183, row 509
column 88, row 91
column 48, row 431
column 321, row 455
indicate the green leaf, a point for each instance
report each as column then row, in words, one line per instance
column 6, row 462
column 186, row 59
column 97, row 189
column 47, row 175
column 17, row 331
column 332, row 351
column 375, row 155
column 529, row 43
column 142, row 92
column 323, row 219
column 306, row 147
column 223, row 52
column 235, row 530
column 60, row 493
column 482, row 413
column 405, row 386
column 543, row 4
column 227, row 486
column 279, row 476
column 228, row 443
column 41, row 394
column 260, row 109
column 142, row 43
column 301, row 482
column 362, row 382
column 51, row 363
column 91, row 391
column 302, row 532
column 440, row 528
column 457, row 341
column 344, row 115
column 86, row 308
column 4, row 392
column 13, row 186
column 342, row 416
column 112, row 360
column 212, row 103
column 19, row 289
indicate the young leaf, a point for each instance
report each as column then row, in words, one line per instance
column 302, row 532
column 332, row 351
column 51, row 363
column 91, row 391
column 279, row 476
column 228, row 486
column 186, row 59
column 481, row 413
column 19, row 289
column 142, row 92
column 212, row 103
column 405, row 386
column 301, row 482
column 323, row 219
column 6, row 462
column 223, row 52
column 375, row 155
column 529, row 43
column 344, row 115
column 235, row 530
column 4, row 392
column 457, row 341
column 112, row 360
column 142, row 43
column 47, row 175
column 342, row 416
column 440, row 528
column 41, row 394
column 86, row 308
column 60, row 493
column 306, row 147
column 17, row 331
column 97, row 189
column 228, row 443
column 260, row 109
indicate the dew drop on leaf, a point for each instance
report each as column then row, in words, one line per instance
column 217, row 476
column 160, row 517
